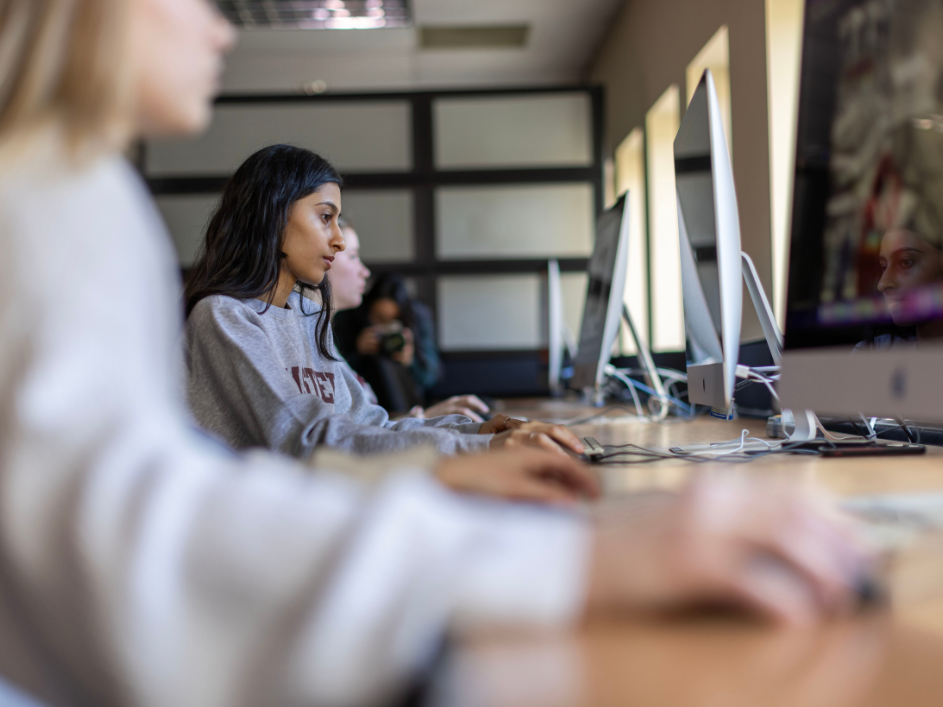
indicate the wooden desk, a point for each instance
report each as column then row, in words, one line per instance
column 892, row 657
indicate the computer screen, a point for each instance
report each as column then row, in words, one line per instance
column 866, row 260
column 695, row 185
column 601, row 313
column 709, row 239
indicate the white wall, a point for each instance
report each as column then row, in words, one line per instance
column 648, row 48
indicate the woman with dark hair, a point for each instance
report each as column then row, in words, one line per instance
column 263, row 372
column 240, row 258
column 390, row 341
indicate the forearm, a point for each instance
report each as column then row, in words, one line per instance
column 343, row 434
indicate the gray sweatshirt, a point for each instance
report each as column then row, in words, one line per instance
column 256, row 380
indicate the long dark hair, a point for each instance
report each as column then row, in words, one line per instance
column 241, row 254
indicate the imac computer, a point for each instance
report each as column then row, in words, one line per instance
column 605, row 310
column 602, row 312
column 864, row 324
column 555, row 328
column 560, row 338
column 712, row 264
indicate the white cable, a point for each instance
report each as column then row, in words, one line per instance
column 869, row 426
column 769, row 386
column 751, row 374
column 616, row 373
column 743, row 440
column 830, row 435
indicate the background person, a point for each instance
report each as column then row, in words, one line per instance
column 905, row 215
column 390, row 340
column 348, row 278
column 141, row 564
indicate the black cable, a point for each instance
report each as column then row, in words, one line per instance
column 902, row 424
column 854, row 424
column 747, row 456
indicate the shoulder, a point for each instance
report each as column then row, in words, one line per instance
column 87, row 225
column 108, row 181
column 224, row 305
column 422, row 314
column 47, row 197
column 223, row 312
column 303, row 306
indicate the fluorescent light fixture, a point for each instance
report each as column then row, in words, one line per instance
column 465, row 37
column 317, row 14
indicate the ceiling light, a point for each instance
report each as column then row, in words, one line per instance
column 313, row 88
column 317, row 14
column 355, row 23
column 465, row 37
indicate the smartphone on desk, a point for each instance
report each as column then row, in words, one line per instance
column 841, row 449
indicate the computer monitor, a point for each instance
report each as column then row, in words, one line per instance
column 602, row 313
column 555, row 336
column 864, row 323
column 712, row 264
column 709, row 229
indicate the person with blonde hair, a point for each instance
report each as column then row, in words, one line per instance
column 142, row 564
column 348, row 278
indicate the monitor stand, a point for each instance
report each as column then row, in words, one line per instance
column 660, row 409
column 707, row 379
column 805, row 422
column 774, row 337
column 558, row 333
column 555, row 328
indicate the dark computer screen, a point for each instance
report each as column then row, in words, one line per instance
column 694, row 181
column 866, row 255
column 601, row 270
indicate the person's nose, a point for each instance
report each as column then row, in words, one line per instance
column 887, row 281
column 224, row 34
column 337, row 239
column 366, row 272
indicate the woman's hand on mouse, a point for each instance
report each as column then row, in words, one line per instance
column 521, row 475
column 763, row 548
column 510, row 433
column 468, row 405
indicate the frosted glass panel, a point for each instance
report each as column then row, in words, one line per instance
column 661, row 126
column 523, row 131
column 489, row 312
column 554, row 220
column 187, row 218
column 630, row 180
column 384, row 223
column 573, row 286
column 356, row 137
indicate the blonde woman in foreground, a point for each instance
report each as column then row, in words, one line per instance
column 143, row 565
